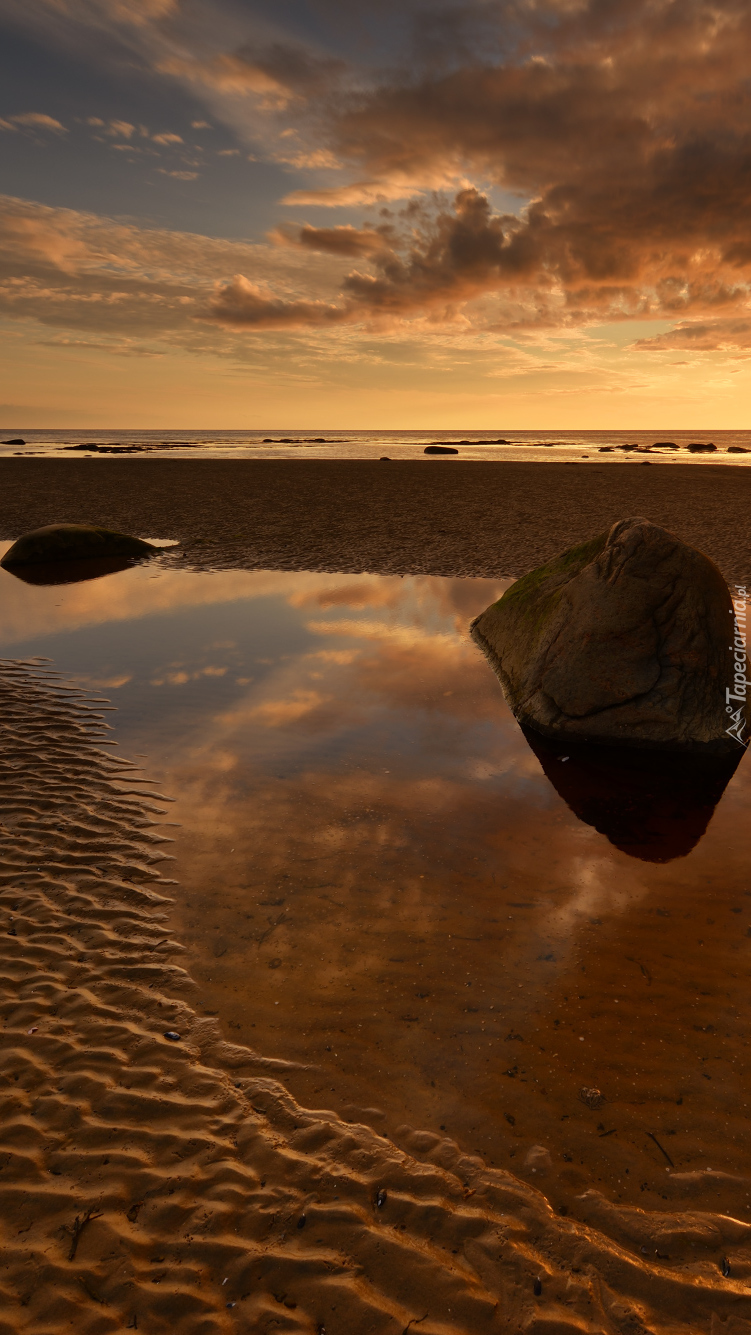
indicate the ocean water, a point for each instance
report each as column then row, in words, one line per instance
column 562, row 446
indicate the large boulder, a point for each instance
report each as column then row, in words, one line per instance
column 629, row 639
column 73, row 542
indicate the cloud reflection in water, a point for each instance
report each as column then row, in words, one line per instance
column 380, row 885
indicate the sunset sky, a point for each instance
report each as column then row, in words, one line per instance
column 332, row 213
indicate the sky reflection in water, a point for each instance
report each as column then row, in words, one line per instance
column 380, row 885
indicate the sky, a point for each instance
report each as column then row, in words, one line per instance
column 494, row 214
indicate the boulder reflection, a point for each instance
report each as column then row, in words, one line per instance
column 70, row 572
column 652, row 805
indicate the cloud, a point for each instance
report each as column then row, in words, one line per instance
column 424, row 263
column 74, row 270
column 346, row 240
column 231, row 73
column 598, row 155
column 122, row 128
column 36, row 120
column 357, row 193
column 701, row 336
column 241, row 303
column 166, row 138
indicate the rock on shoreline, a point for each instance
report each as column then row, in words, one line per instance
column 625, row 640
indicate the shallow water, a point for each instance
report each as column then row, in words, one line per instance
column 731, row 447
column 382, row 890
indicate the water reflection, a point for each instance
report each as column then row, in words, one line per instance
column 653, row 805
column 381, row 888
column 69, row 572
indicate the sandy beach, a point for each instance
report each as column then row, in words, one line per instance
column 442, row 518
column 177, row 1184
column 158, row 1185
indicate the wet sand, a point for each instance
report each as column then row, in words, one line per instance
column 438, row 516
column 157, row 1185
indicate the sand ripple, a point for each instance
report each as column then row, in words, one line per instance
column 166, row 1186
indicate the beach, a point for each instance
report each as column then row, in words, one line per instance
column 443, row 517
column 161, row 1169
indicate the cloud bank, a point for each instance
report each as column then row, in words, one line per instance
column 559, row 162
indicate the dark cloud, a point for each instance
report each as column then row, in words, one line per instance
column 702, row 336
column 432, row 262
column 242, row 303
column 626, row 126
column 345, row 240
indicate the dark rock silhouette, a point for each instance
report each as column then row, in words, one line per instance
column 626, row 640
column 70, row 572
column 440, row 449
column 73, row 542
column 15, row 441
column 652, row 805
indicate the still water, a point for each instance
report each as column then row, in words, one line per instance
column 412, row 915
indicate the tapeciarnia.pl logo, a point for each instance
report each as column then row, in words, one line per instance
column 738, row 695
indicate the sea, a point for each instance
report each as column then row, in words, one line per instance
column 606, row 446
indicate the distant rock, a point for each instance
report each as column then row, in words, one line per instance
column 73, row 542
column 13, row 442
column 440, row 449
column 732, row 449
column 621, row 641
column 665, row 445
column 702, row 449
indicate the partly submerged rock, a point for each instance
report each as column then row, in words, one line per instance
column 440, row 449
column 15, row 441
column 73, row 542
column 629, row 639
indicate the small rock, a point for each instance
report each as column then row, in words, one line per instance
column 73, row 542
column 172, row 1036
column 440, row 449
column 732, row 449
column 16, row 441
column 702, row 449
column 592, row 1097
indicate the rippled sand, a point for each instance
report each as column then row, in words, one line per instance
column 156, row 1185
